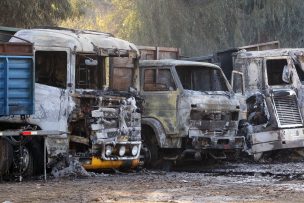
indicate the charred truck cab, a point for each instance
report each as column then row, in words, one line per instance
column 272, row 82
column 189, row 110
column 73, row 94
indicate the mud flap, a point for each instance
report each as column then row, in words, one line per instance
column 6, row 156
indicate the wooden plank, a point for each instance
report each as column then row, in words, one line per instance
column 147, row 55
column 167, row 55
column 122, row 62
column 121, row 73
column 122, row 79
column 156, row 53
column 170, row 49
column 262, row 46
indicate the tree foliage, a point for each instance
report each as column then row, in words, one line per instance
column 29, row 13
column 203, row 26
column 119, row 17
column 196, row 26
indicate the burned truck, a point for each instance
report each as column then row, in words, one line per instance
column 189, row 111
column 274, row 98
column 98, row 119
column 269, row 84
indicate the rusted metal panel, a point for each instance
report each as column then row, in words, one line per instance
column 16, row 49
column 156, row 53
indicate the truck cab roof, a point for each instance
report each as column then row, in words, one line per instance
column 77, row 40
column 270, row 53
column 173, row 62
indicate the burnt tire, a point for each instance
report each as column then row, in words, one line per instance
column 34, row 158
column 150, row 149
column 6, row 156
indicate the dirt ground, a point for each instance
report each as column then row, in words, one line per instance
column 155, row 186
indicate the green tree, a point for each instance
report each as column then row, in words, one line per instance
column 29, row 13
column 119, row 17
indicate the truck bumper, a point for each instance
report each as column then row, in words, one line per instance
column 277, row 139
column 97, row 163
column 114, row 160
column 210, row 141
column 127, row 156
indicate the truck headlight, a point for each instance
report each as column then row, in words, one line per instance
column 109, row 150
column 122, row 150
column 134, row 150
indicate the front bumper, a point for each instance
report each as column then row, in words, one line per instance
column 97, row 163
column 215, row 141
column 277, row 139
column 103, row 161
column 116, row 145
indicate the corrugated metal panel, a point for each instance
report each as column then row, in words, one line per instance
column 287, row 111
column 16, row 85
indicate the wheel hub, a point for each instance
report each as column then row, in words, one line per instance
column 25, row 159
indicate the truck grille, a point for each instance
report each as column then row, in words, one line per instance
column 287, row 111
column 213, row 125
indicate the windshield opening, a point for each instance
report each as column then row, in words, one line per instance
column 275, row 69
column 51, row 68
column 89, row 71
column 200, row 78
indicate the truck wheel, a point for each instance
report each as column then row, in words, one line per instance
column 27, row 164
column 150, row 154
column 6, row 156
column 150, row 149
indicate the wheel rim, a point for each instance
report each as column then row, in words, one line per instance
column 25, row 160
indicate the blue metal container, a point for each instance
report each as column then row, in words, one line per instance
column 16, row 85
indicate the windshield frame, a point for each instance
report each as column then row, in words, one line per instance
column 227, row 84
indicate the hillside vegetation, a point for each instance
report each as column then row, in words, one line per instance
column 202, row 26
column 196, row 26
